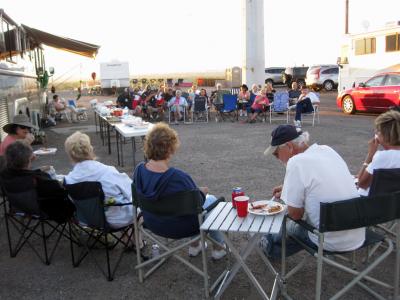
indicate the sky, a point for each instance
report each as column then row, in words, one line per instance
column 158, row 36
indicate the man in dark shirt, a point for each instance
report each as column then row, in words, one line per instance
column 124, row 100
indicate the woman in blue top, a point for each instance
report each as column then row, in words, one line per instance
column 156, row 178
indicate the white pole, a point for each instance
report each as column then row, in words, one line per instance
column 253, row 66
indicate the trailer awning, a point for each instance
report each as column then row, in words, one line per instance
column 62, row 43
column 394, row 68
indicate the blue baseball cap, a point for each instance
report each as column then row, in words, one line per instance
column 281, row 135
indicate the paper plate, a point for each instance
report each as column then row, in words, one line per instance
column 265, row 210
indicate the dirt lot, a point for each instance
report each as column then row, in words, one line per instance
column 217, row 155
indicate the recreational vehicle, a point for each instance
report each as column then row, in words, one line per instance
column 364, row 55
column 23, row 73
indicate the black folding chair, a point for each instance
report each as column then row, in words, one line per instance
column 186, row 203
column 32, row 217
column 92, row 229
column 200, row 109
column 351, row 214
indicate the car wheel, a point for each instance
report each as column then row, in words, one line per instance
column 269, row 81
column 348, row 105
column 328, row 85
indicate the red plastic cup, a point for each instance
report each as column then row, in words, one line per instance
column 241, row 205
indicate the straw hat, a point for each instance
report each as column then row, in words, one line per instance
column 20, row 120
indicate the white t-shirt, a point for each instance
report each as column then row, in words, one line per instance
column 386, row 159
column 320, row 175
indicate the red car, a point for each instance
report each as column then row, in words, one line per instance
column 376, row 95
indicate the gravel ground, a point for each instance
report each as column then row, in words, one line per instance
column 217, row 155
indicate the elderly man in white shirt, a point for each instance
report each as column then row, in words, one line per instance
column 314, row 174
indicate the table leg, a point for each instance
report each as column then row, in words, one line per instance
column 95, row 121
column 108, row 138
column 133, row 151
column 122, row 151
column 117, row 137
column 101, row 125
column 241, row 263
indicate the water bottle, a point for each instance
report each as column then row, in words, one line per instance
column 125, row 111
column 155, row 250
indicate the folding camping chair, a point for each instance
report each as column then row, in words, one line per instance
column 91, row 222
column 180, row 204
column 229, row 109
column 350, row 214
column 23, row 211
column 81, row 113
column 280, row 106
column 385, row 181
column 200, row 109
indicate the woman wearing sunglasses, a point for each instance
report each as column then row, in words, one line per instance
column 18, row 129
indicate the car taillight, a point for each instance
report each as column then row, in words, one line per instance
column 316, row 72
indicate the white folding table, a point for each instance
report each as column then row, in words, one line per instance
column 124, row 131
column 224, row 219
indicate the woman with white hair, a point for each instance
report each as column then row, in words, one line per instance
column 116, row 186
column 177, row 105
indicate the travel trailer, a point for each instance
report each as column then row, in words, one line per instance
column 366, row 54
column 23, row 72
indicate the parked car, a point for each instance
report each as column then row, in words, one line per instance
column 375, row 95
column 292, row 74
column 323, row 76
column 274, row 75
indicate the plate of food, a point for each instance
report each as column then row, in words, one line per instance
column 265, row 207
column 44, row 151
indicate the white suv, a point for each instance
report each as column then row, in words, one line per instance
column 323, row 76
column 274, row 75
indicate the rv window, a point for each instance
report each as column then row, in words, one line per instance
column 392, row 42
column 365, row 46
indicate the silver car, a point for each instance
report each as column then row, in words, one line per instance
column 323, row 76
column 274, row 75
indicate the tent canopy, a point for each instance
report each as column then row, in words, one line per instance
column 62, row 43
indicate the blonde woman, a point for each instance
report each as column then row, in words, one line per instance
column 387, row 129
column 116, row 186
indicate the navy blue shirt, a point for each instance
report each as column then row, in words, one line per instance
column 153, row 185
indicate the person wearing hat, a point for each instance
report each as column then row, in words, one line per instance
column 18, row 129
column 314, row 174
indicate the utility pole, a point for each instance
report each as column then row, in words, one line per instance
column 253, row 66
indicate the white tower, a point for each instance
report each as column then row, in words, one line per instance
column 253, row 65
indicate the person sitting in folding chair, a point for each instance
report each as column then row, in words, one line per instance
column 177, row 105
column 155, row 179
column 19, row 177
column 116, row 186
column 304, row 104
column 387, row 128
column 19, row 129
column 260, row 104
column 314, row 174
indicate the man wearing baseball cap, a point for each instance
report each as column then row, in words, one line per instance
column 314, row 174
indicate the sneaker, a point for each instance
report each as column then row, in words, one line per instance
column 240, row 113
column 194, row 251
column 218, row 254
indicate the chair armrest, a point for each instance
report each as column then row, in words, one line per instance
column 214, row 205
column 305, row 225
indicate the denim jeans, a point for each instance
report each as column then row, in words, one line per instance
column 271, row 244
column 304, row 106
column 216, row 235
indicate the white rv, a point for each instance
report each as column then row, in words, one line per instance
column 114, row 76
column 366, row 54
